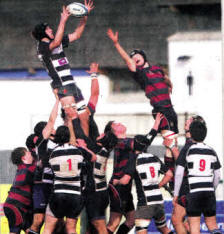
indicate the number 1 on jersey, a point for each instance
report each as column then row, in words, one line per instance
column 69, row 164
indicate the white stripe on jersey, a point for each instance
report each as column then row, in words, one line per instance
column 66, row 191
column 100, row 172
column 68, row 82
column 57, row 62
column 151, row 172
column 200, row 172
column 66, row 72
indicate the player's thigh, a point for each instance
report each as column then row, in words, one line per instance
column 178, row 214
column 194, row 225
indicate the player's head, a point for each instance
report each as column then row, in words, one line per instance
column 39, row 127
column 21, row 155
column 108, row 140
column 141, row 143
column 198, row 131
column 41, row 31
column 30, row 142
column 115, row 127
column 62, row 135
column 191, row 119
column 139, row 57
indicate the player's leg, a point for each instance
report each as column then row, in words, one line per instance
column 50, row 223
column 40, row 201
column 96, row 204
column 71, row 225
column 100, row 226
column 211, row 224
column 14, row 217
column 160, row 219
column 209, row 212
column 114, row 221
column 128, row 224
column 194, row 224
column 177, row 218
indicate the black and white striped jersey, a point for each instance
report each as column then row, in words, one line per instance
column 99, row 170
column 48, row 176
column 148, row 169
column 201, row 161
column 66, row 162
column 56, row 62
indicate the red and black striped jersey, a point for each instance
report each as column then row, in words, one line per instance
column 20, row 193
column 151, row 80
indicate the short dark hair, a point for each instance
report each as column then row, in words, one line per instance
column 198, row 131
column 30, row 142
column 39, row 31
column 198, row 118
column 62, row 135
column 39, row 127
column 108, row 141
column 17, row 154
column 141, row 143
column 108, row 127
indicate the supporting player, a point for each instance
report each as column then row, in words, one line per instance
column 18, row 205
column 121, row 200
column 66, row 200
column 203, row 171
column 178, row 218
column 50, row 49
column 42, row 183
column 146, row 173
column 156, row 86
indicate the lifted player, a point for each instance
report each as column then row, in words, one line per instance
column 50, row 49
column 156, row 87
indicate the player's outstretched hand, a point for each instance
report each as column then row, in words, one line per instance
column 113, row 36
column 158, row 119
column 89, row 5
column 65, row 14
column 93, row 68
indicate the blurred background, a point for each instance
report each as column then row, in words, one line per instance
column 182, row 36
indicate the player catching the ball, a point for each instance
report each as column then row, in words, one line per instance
column 50, row 50
column 156, row 86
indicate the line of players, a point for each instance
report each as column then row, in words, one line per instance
column 69, row 170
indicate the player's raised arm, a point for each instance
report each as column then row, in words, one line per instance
column 61, row 28
column 79, row 30
column 94, row 83
column 128, row 60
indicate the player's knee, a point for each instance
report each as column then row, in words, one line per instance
column 141, row 224
column 176, row 219
column 215, row 231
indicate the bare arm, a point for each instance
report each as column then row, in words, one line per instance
column 50, row 124
column 94, row 84
column 128, row 60
column 60, row 31
column 168, row 176
column 80, row 29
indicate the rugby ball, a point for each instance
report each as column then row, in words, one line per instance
column 77, row 9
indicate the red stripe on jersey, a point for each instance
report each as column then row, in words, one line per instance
column 20, row 177
column 20, row 198
column 122, row 163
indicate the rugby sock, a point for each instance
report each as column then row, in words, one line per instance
column 32, row 232
column 215, row 231
column 123, row 229
column 109, row 231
